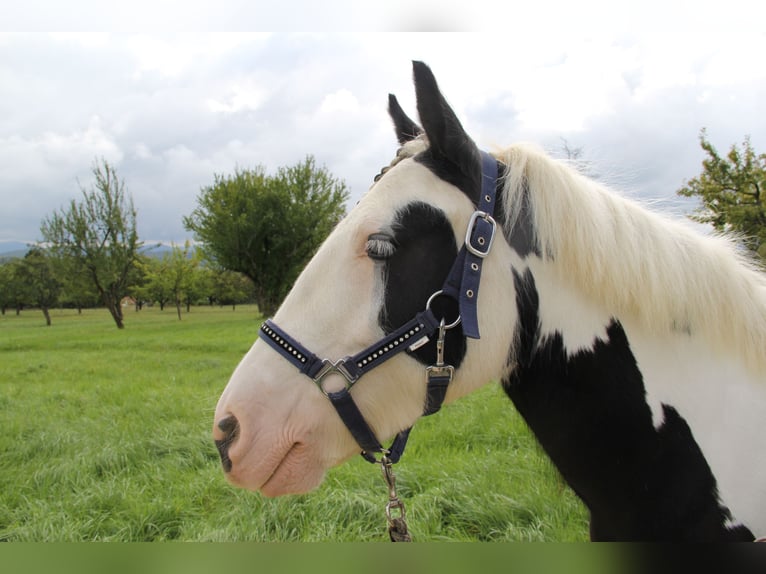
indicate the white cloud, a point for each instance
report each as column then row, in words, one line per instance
column 173, row 109
column 36, row 159
column 245, row 96
column 340, row 102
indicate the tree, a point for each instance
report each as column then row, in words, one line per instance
column 42, row 287
column 156, row 286
column 228, row 287
column 575, row 156
column 174, row 277
column 732, row 191
column 180, row 265
column 99, row 233
column 267, row 227
column 77, row 289
column 13, row 292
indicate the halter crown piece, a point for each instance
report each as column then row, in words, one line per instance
column 462, row 284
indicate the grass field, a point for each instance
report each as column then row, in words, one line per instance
column 106, row 436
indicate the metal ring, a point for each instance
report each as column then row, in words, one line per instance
column 452, row 325
column 328, row 368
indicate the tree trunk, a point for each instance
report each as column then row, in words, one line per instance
column 47, row 316
column 178, row 308
column 115, row 309
column 117, row 315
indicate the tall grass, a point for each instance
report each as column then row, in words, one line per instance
column 105, row 435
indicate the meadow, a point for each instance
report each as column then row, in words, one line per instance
column 106, row 437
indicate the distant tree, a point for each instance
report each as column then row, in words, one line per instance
column 41, row 285
column 99, row 233
column 267, row 227
column 172, row 278
column 230, row 288
column 180, row 265
column 5, row 283
column 204, row 282
column 77, row 288
column 572, row 154
column 156, row 282
column 575, row 156
column 732, row 190
column 197, row 286
column 137, row 281
column 12, row 287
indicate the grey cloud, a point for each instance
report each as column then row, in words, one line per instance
column 169, row 125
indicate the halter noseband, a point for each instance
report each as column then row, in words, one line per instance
column 461, row 284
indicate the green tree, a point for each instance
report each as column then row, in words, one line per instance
column 99, row 234
column 172, row 278
column 42, row 286
column 13, row 292
column 267, row 227
column 77, row 289
column 732, row 191
column 228, row 287
column 180, row 265
column 156, row 285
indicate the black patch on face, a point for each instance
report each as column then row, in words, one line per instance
column 425, row 253
column 588, row 410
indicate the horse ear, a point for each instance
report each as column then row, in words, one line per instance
column 406, row 129
column 447, row 138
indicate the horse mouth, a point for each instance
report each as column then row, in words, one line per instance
column 290, row 472
column 275, row 485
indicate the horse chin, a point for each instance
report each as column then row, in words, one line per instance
column 296, row 472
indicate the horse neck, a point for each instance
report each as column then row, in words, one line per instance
column 634, row 264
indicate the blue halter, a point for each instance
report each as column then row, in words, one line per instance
column 462, row 285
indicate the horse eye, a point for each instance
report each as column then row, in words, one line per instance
column 380, row 246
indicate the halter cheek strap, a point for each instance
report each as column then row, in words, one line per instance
column 462, row 284
column 463, row 281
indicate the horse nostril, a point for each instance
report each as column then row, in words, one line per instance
column 230, row 427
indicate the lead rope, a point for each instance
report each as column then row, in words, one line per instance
column 438, row 377
column 395, row 514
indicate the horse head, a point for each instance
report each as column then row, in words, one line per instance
column 378, row 269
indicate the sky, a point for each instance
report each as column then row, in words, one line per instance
column 172, row 93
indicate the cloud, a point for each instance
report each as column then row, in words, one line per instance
column 42, row 170
column 172, row 110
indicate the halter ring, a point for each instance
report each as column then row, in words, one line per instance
column 329, row 367
column 452, row 325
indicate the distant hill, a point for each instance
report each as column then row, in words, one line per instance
column 15, row 249
column 12, row 249
column 155, row 250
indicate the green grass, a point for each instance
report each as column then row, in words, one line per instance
column 106, row 436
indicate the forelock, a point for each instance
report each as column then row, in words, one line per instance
column 409, row 149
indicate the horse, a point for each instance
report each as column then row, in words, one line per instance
column 633, row 345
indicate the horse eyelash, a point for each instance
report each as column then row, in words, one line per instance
column 380, row 246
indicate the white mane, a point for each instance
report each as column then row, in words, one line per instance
column 639, row 264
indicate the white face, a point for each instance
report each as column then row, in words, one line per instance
column 289, row 434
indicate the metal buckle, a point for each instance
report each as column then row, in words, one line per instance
column 483, row 250
column 329, row 367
